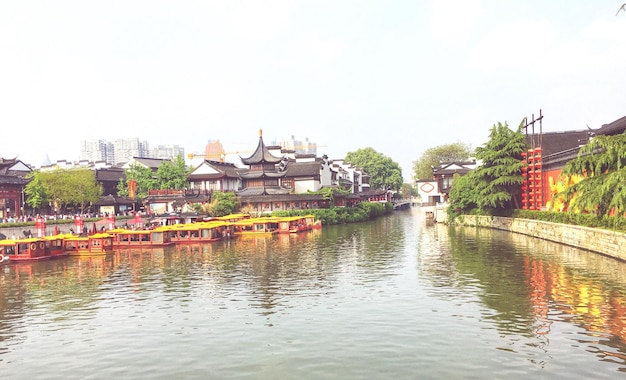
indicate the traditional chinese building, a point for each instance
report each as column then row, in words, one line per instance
column 273, row 178
column 264, row 173
column 444, row 175
column 547, row 155
column 13, row 180
column 213, row 175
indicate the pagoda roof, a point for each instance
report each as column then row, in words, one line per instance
column 261, row 154
column 269, row 190
column 261, row 174
column 280, row 197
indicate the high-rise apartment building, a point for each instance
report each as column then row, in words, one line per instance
column 123, row 150
column 299, row 146
column 167, row 151
column 96, row 151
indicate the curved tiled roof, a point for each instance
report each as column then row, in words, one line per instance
column 11, row 180
column 261, row 155
column 255, row 175
column 268, row 190
column 299, row 169
column 223, row 170
column 614, row 128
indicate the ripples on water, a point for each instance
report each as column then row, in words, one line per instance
column 394, row 298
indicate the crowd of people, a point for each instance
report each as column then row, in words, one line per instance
column 32, row 218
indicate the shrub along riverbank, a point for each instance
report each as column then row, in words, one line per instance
column 617, row 223
column 364, row 211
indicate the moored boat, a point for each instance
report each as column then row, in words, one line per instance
column 96, row 244
column 312, row 223
column 231, row 217
column 200, row 232
column 294, row 224
column 54, row 245
column 124, row 238
column 256, row 226
column 27, row 249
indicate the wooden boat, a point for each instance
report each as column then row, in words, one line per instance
column 317, row 225
column 27, row 249
column 290, row 224
column 201, row 232
column 312, row 223
column 256, row 226
column 54, row 245
column 294, row 224
column 125, row 238
column 96, row 244
column 231, row 217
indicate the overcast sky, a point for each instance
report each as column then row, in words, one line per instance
column 397, row 76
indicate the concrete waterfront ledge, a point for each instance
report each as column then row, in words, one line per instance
column 606, row 242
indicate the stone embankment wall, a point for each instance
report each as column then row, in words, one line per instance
column 606, row 242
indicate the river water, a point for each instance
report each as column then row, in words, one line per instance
column 396, row 298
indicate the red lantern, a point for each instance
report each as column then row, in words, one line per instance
column 79, row 223
column 40, row 225
column 111, row 220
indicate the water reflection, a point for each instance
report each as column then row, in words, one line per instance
column 390, row 298
column 526, row 286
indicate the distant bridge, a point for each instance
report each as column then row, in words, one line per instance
column 401, row 204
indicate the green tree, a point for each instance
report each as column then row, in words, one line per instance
column 35, row 190
column 173, row 174
column 63, row 188
column 221, row 204
column 383, row 171
column 144, row 176
column 407, row 191
column 328, row 194
column 463, row 196
column 86, row 189
column 500, row 174
column 494, row 186
column 432, row 157
column 602, row 164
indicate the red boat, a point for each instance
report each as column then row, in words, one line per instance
column 200, row 232
column 54, row 245
column 92, row 245
column 27, row 249
column 123, row 238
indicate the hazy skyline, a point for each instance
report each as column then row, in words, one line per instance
column 397, row 76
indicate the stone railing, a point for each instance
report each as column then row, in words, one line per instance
column 606, row 242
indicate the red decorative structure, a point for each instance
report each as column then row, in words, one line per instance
column 532, row 186
column 79, row 223
column 40, row 226
column 111, row 222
